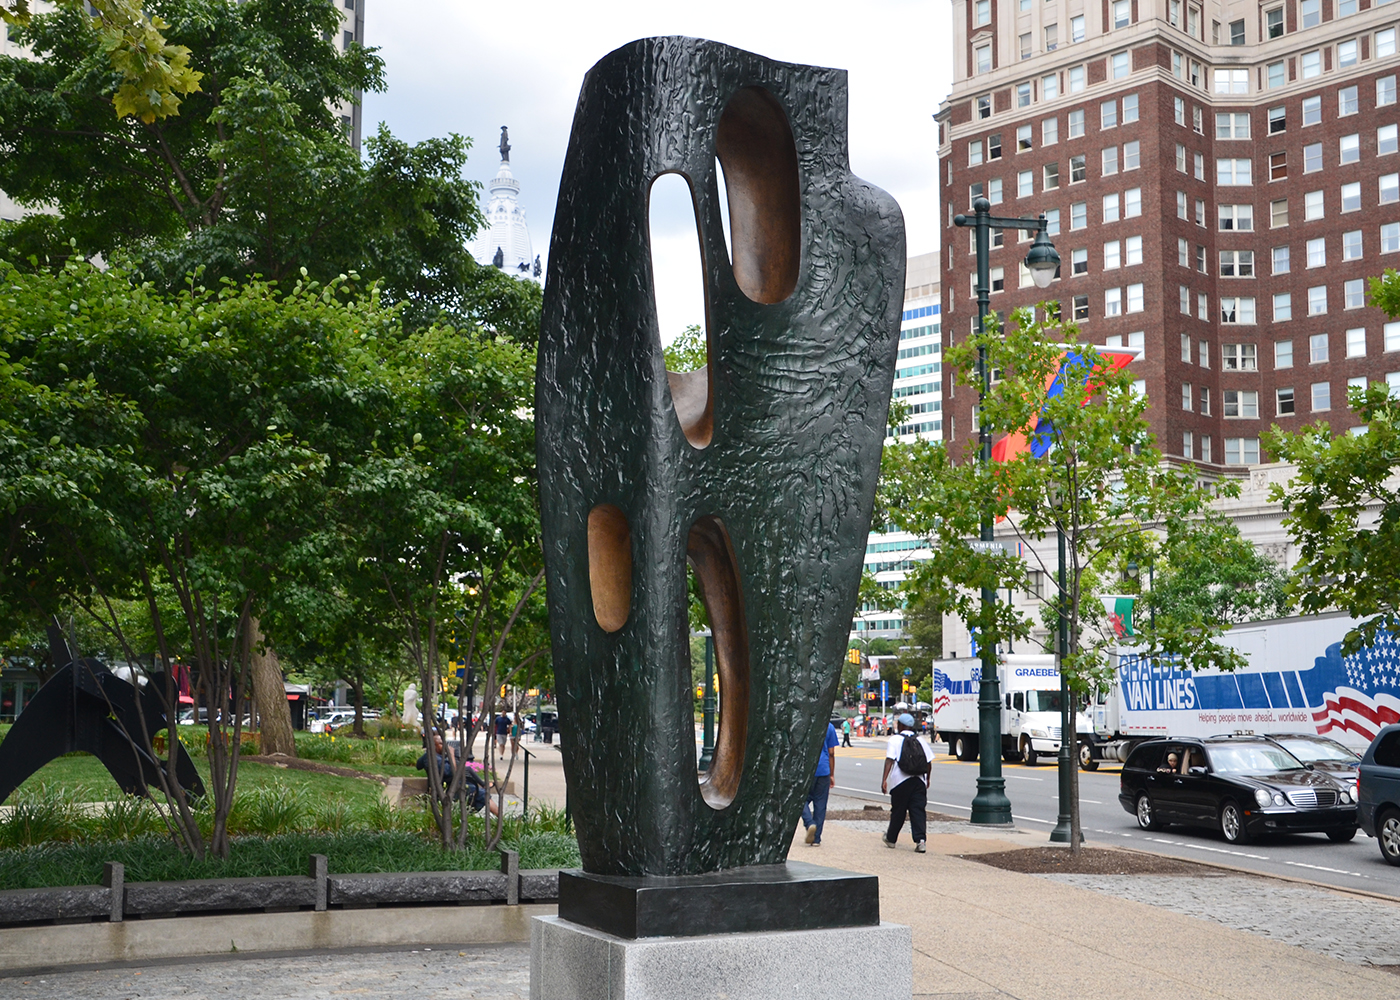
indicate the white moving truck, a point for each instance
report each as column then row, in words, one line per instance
column 1296, row 681
column 1030, row 713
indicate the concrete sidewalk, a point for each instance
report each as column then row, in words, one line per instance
column 981, row 932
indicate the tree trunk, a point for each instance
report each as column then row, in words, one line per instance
column 270, row 694
column 359, row 689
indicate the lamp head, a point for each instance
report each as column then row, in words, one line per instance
column 1042, row 260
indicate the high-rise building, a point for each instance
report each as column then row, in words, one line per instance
column 1220, row 179
column 504, row 241
column 918, row 383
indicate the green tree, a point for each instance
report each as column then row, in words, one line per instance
column 254, row 176
column 687, row 352
column 1342, row 507
column 1101, row 483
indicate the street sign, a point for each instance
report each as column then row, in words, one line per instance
column 977, row 545
column 884, row 690
column 862, row 708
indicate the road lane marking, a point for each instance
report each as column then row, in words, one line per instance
column 1092, row 801
column 1207, row 847
column 1022, row 777
column 1323, row 868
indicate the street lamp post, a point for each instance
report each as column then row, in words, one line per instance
column 1069, row 735
column 707, row 706
column 990, row 805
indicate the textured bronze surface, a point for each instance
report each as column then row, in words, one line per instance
column 759, row 469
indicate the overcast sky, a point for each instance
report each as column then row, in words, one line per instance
column 455, row 66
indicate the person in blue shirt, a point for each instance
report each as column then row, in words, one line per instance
column 814, row 808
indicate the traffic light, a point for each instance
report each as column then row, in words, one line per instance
column 853, row 655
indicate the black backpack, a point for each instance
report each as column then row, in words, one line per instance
column 912, row 759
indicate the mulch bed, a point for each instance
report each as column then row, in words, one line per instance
column 297, row 764
column 1091, row 861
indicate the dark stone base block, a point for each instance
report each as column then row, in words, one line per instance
column 790, row 897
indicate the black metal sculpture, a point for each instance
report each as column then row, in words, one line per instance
column 84, row 706
column 758, row 469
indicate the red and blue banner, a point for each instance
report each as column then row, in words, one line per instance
column 1072, row 366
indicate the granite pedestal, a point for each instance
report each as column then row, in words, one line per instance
column 572, row 962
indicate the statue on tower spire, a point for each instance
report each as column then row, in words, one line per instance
column 505, row 144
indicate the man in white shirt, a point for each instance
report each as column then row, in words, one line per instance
column 908, row 792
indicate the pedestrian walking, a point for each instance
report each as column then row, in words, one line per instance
column 814, row 808
column 846, row 733
column 907, row 763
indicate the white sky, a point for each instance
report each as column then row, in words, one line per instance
column 455, row 66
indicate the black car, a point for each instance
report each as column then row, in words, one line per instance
column 1323, row 754
column 1244, row 787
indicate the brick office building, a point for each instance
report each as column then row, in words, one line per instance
column 1221, row 180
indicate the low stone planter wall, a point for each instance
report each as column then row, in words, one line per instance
column 117, row 900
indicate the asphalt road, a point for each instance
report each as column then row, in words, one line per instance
column 1034, row 795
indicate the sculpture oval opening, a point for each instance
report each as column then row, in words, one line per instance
column 681, row 314
column 763, row 193
column 711, row 558
column 610, row 566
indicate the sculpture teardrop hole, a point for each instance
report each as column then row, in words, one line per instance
column 724, row 212
column 754, row 144
column 710, row 555
column 681, row 302
column 610, row 566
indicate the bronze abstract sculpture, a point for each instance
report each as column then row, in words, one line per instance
column 758, row 469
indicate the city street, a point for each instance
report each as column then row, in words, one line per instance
column 1034, row 795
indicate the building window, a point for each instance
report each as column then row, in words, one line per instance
column 1076, row 123
column 984, row 106
column 1241, row 451
column 1390, row 237
column 1052, row 176
column 1321, row 397
column 1283, row 402
column 1311, row 11
column 1076, row 79
column 1385, row 91
column 1239, row 218
column 1179, row 110
column 1386, row 137
column 1200, row 159
column 1132, row 155
column 1281, row 261
column 983, row 57
column 1353, row 294
column 1023, row 95
column 1181, row 204
column 1276, row 74
column 994, row 146
column 982, row 13
column 1231, row 125
column 1130, row 108
column 1356, row 343
column 1108, row 114
column 1236, row 309
column 1081, row 307
column 1132, row 203
column 1186, row 397
column 1278, row 120
column 1283, row 354
column 1232, row 81
column 1186, row 438
column 1079, row 261
column 1052, row 37
column 1283, row 307
column 1205, row 400
column 1317, row 252
column 1132, row 250
column 1122, row 65
column 1236, row 32
column 1310, row 64
column 1203, row 354
column 1312, row 111
column 1201, row 212
column 1351, row 245
column 1186, row 348
column 1351, row 197
column 1278, row 166
column 1201, row 259
column 1181, row 158
column 1242, row 404
column 1392, row 337
column 1347, row 102
column 1349, row 149
column 1025, row 184
column 1135, row 298
column 1077, row 170
column 1205, row 448
column 1023, row 137
column 1385, row 43
column 1112, row 255
column 1239, row 357
column 1122, row 13
column 974, row 153
column 1317, row 300
column 1050, row 87
column 1113, row 302
column 1110, row 208
column 1052, row 222
column 1236, row 263
column 1312, row 157
column 1078, row 215
column 1185, row 301
column 1278, row 213
column 1312, row 206
column 1348, row 53
column 1025, row 45
column 1193, row 22
column 998, row 279
column 1317, row 348
column 1233, row 172
column 1076, row 28
column 1273, row 23
column 1183, row 253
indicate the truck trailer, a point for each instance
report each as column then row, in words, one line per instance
column 1030, row 712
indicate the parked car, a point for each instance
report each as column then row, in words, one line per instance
column 1323, row 754
column 1378, row 792
column 1243, row 786
column 333, row 721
